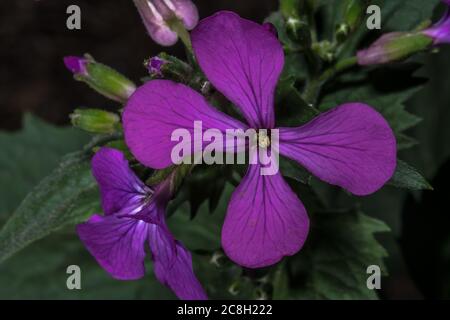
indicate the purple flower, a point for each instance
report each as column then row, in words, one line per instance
column 440, row 32
column 154, row 65
column 135, row 215
column 351, row 146
column 158, row 15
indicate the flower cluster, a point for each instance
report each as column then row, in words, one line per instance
column 351, row 145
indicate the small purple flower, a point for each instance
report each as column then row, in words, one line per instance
column 154, row 65
column 77, row 65
column 440, row 32
column 134, row 215
column 158, row 15
column 351, row 146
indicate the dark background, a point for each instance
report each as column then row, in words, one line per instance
column 34, row 39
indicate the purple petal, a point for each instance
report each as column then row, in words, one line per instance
column 160, row 107
column 351, row 146
column 173, row 265
column 117, row 244
column 187, row 12
column 270, row 27
column 120, row 188
column 154, row 22
column 76, row 65
column 243, row 60
column 265, row 221
column 440, row 31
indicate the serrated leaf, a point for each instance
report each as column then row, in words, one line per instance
column 408, row 177
column 206, row 183
column 333, row 263
column 68, row 195
column 203, row 231
column 391, row 104
column 29, row 155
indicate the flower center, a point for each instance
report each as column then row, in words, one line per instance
column 263, row 139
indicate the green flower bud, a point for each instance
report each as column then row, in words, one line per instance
column 100, row 77
column 95, row 120
column 394, row 46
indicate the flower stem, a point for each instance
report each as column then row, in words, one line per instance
column 177, row 26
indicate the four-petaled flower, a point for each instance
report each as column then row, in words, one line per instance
column 351, row 146
column 134, row 215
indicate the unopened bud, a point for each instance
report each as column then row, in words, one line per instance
column 169, row 67
column 395, row 46
column 100, row 77
column 95, row 120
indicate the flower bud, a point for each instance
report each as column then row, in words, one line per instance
column 169, row 67
column 100, row 77
column 95, row 120
column 394, row 46
column 160, row 17
column 154, row 66
column 440, row 32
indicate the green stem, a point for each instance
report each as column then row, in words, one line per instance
column 314, row 86
column 177, row 26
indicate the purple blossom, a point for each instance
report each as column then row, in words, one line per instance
column 134, row 214
column 351, row 146
column 154, row 65
column 157, row 16
column 77, row 65
column 440, row 31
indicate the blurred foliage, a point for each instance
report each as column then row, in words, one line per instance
column 29, row 155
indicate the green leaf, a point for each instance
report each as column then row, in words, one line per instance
column 67, row 196
column 203, row 231
column 333, row 264
column 290, row 168
column 405, row 15
column 407, row 177
column 39, row 272
column 432, row 104
column 205, row 183
column 29, row 155
column 391, row 104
